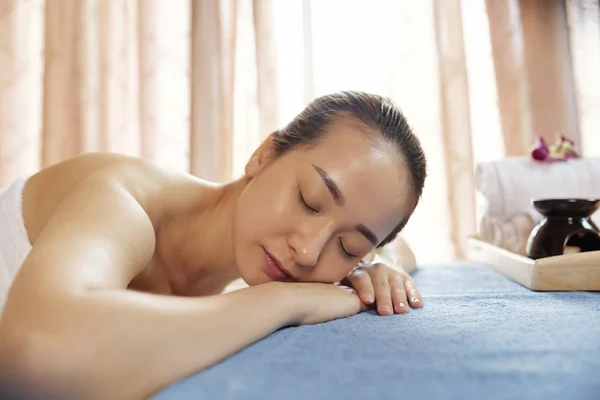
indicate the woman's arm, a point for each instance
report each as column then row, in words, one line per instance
column 121, row 344
column 71, row 327
column 397, row 255
column 405, row 257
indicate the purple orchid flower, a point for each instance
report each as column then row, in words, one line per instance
column 561, row 150
column 541, row 151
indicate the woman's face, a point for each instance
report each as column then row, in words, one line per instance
column 313, row 213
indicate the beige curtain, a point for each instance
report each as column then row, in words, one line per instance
column 534, row 72
column 150, row 78
column 196, row 85
column 21, row 28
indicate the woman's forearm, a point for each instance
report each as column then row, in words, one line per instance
column 404, row 256
column 396, row 254
column 134, row 343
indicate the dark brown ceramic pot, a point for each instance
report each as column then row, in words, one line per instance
column 566, row 226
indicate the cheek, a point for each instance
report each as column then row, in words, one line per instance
column 332, row 267
column 262, row 210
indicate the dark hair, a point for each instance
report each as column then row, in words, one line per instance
column 373, row 112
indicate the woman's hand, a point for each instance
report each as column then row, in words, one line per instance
column 390, row 290
column 322, row 302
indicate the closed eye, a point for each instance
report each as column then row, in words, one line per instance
column 305, row 204
column 345, row 252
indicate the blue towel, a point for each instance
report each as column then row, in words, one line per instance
column 478, row 336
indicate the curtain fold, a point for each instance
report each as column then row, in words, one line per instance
column 164, row 82
column 21, row 44
column 64, row 80
column 511, row 75
column 456, row 121
column 553, row 107
column 149, row 89
column 212, row 91
column 584, row 28
column 118, row 76
column 266, row 66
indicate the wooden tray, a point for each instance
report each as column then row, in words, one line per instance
column 570, row 272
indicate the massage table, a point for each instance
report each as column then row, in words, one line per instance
column 478, row 336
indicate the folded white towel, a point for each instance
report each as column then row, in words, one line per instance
column 508, row 186
column 14, row 241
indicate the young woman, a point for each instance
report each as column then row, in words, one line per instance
column 116, row 267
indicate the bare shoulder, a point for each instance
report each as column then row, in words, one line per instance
column 89, row 214
column 145, row 181
column 64, row 176
column 97, row 237
column 99, row 212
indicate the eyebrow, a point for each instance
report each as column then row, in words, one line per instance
column 339, row 199
column 366, row 232
column 331, row 185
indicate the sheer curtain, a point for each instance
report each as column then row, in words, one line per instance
column 158, row 79
column 196, row 85
column 91, row 75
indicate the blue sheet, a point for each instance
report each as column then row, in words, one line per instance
column 478, row 336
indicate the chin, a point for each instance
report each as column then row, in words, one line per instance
column 258, row 279
column 253, row 280
column 253, row 275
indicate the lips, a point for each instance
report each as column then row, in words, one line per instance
column 275, row 269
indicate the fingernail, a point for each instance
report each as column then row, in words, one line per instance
column 415, row 300
column 385, row 309
column 401, row 305
column 368, row 298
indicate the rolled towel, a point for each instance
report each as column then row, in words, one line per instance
column 508, row 233
column 508, row 186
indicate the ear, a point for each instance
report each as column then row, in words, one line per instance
column 261, row 157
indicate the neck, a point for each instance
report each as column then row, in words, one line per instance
column 197, row 243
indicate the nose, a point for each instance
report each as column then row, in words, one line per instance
column 308, row 242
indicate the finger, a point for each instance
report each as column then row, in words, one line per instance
column 383, row 295
column 362, row 306
column 399, row 294
column 414, row 297
column 361, row 282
